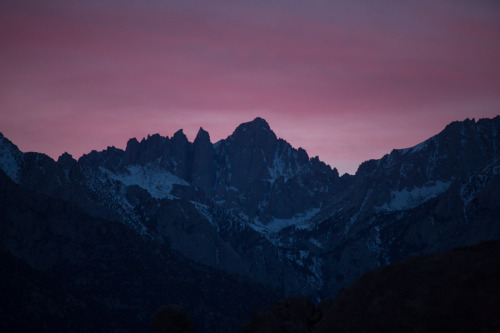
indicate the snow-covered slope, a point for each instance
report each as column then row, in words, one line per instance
column 411, row 198
column 159, row 183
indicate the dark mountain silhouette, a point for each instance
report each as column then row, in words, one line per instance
column 249, row 216
column 455, row 291
column 65, row 270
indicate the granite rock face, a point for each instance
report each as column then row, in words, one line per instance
column 203, row 170
column 253, row 207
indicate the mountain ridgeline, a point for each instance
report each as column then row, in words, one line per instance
column 241, row 222
column 252, row 170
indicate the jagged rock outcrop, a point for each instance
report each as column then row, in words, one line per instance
column 266, row 177
column 181, row 155
column 203, row 170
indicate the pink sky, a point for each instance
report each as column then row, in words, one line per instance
column 345, row 80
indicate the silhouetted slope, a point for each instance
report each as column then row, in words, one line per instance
column 455, row 291
column 35, row 302
column 60, row 261
column 250, row 205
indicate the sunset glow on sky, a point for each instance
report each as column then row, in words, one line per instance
column 346, row 80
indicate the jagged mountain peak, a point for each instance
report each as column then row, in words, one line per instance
column 179, row 136
column 255, row 206
column 256, row 137
column 468, row 126
column 408, row 177
column 66, row 159
column 132, row 142
column 202, row 136
column 456, row 139
column 261, row 122
column 258, row 126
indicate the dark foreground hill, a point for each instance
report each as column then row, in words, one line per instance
column 455, row 291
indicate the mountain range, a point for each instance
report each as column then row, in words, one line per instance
column 223, row 228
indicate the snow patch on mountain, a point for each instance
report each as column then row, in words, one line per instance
column 355, row 216
column 473, row 185
column 377, row 247
column 317, row 273
column 300, row 221
column 111, row 195
column 279, row 168
column 159, row 183
column 411, row 198
column 310, row 262
column 316, row 242
column 204, row 210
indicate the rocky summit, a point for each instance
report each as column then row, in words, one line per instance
column 223, row 228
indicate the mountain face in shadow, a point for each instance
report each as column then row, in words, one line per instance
column 455, row 291
column 67, row 270
column 243, row 221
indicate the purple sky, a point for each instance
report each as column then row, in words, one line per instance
column 345, row 80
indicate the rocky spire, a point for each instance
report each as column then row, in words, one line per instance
column 66, row 160
column 202, row 136
column 203, row 162
column 181, row 154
